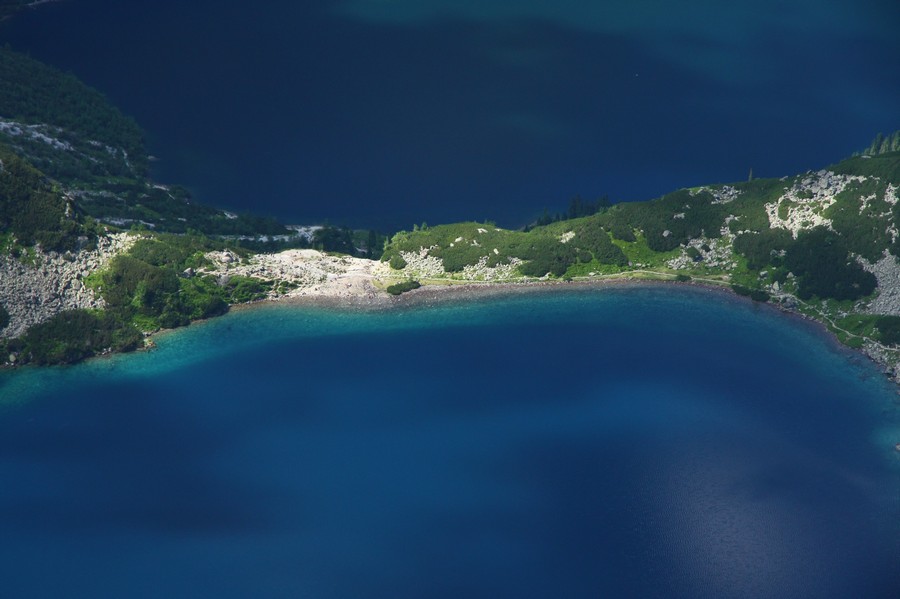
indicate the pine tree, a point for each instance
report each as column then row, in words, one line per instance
column 882, row 144
column 876, row 144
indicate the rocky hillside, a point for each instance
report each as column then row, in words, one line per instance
column 73, row 178
column 822, row 243
column 36, row 286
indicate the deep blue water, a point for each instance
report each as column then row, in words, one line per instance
column 644, row 442
column 384, row 114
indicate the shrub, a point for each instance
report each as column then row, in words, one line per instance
column 821, row 262
column 554, row 259
column 757, row 295
column 764, row 248
column 397, row 262
column 595, row 239
column 31, row 209
column 622, row 231
column 154, row 296
column 74, row 335
column 461, row 255
column 888, row 329
column 246, row 289
column 398, row 288
column 133, row 282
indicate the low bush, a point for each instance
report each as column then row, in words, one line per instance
column 74, row 335
column 888, row 329
column 398, row 288
column 824, row 268
column 757, row 295
column 397, row 262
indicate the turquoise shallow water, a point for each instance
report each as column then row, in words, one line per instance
column 636, row 441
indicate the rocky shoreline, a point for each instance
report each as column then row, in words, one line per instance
column 33, row 294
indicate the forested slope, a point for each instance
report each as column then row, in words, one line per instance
column 96, row 155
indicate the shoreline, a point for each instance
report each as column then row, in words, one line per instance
column 433, row 294
column 436, row 294
column 368, row 297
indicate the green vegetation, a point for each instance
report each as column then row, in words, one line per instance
column 88, row 160
column 71, row 165
column 397, row 262
column 156, row 283
column 763, row 248
column 883, row 166
column 865, row 228
column 883, row 144
column 578, row 208
column 820, row 264
column 138, row 204
column 757, row 295
column 854, row 329
column 399, row 288
column 821, row 261
column 67, row 110
column 334, row 239
column 72, row 336
column 71, row 135
column 153, row 285
column 597, row 241
column 545, row 255
column 31, row 210
column 888, row 328
column 178, row 251
column 240, row 290
column 4, row 317
column 552, row 249
column 670, row 221
column 621, row 230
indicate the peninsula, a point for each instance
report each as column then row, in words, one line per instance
column 95, row 256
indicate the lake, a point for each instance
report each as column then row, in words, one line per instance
column 311, row 111
column 651, row 441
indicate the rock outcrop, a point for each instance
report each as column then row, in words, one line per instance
column 35, row 290
column 300, row 273
column 804, row 205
